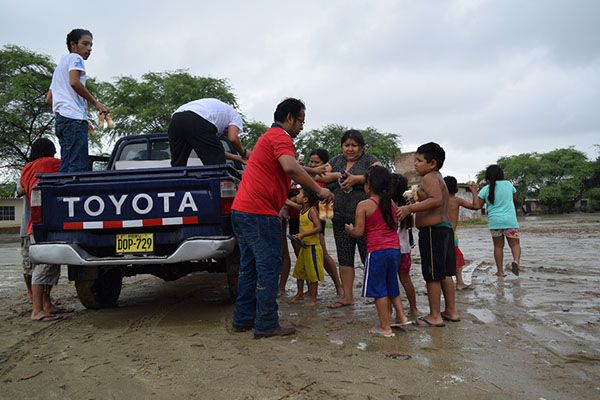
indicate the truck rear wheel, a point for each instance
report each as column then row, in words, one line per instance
column 102, row 292
column 233, row 271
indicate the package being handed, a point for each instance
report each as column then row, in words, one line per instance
column 325, row 210
column 101, row 120
column 109, row 121
column 105, row 117
column 411, row 195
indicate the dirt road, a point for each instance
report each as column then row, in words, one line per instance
column 534, row 336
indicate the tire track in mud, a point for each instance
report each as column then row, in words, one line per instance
column 23, row 347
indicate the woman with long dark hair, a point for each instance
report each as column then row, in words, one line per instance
column 498, row 196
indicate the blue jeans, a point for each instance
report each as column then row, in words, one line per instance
column 73, row 139
column 259, row 238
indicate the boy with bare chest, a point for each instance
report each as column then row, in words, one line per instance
column 436, row 237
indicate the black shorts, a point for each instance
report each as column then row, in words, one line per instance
column 294, row 225
column 438, row 257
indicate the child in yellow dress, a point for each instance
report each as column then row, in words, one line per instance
column 309, row 266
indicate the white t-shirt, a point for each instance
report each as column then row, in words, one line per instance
column 65, row 100
column 214, row 111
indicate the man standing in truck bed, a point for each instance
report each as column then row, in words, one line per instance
column 68, row 96
column 255, row 220
column 198, row 125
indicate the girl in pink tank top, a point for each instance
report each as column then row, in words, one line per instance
column 376, row 219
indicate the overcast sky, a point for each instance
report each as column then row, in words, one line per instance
column 483, row 78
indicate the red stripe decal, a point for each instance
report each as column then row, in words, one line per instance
column 112, row 224
column 73, row 225
column 190, row 220
column 152, row 222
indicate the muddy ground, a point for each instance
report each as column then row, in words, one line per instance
column 535, row 336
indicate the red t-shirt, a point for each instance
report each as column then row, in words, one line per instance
column 265, row 184
column 44, row 165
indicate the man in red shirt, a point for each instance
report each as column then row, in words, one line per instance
column 255, row 220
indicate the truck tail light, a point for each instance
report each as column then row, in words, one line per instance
column 36, row 206
column 228, row 191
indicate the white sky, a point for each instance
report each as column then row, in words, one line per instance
column 482, row 78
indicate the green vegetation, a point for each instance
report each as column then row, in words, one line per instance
column 25, row 77
column 384, row 145
column 137, row 106
column 557, row 179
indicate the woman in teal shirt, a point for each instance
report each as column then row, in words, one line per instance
column 498, row 197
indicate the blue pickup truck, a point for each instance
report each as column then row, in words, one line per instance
column 139, row 216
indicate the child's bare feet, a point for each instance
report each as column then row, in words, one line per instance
column 299, row 296
column 282, row 293
column 310, row 303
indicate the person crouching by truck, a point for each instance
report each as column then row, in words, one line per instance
column 198, row 125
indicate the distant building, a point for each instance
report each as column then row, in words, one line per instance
column 405, row 165
column 11, row 209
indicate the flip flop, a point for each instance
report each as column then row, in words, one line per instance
column 468, row 287
column 47, row 318
column 427, row 323
column 450, row 319
column 338, row 304
column 63, row 311
column 514, row 268
column 55, row 302
column 374, row 330
column 297, row 241
column 397, row 323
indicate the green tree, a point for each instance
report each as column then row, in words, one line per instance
column 383, row 145
column 591, row 183
column 252, row 131
column 145, row 106
column 8, row 189
column 25, row 77
column 557, row 178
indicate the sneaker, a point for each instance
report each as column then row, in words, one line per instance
column 277, row 332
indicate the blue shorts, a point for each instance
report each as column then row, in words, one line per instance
column 381, row 279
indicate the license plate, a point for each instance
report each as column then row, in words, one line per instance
column 135, row 243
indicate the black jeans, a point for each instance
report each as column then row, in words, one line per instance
column 188, row 131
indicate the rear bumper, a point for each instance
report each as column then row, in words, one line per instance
column 192, row 249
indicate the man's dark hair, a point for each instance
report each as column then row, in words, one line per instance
column 42, row 148
column 310, row 195
column 354, row 135
column 75, row 35
column 451, row 184
column 288, row 106
column 433, row 151
column 321, row 153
